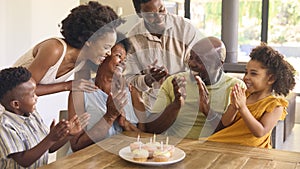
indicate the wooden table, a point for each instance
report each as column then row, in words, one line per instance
column 198, row 155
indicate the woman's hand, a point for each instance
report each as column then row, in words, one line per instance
column 115, row 104
column 126, row 125
column 83, row 85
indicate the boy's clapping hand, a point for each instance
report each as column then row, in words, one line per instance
column 66, row 128
column 77, row 123
column 59, row 131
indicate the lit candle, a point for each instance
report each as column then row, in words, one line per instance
column 167, row 140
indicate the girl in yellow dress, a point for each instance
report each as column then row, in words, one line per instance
column 254, row 111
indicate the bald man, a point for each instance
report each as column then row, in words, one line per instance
column 190, row 104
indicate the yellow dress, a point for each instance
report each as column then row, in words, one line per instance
column 238, row 132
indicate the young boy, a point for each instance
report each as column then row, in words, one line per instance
column 24, row 138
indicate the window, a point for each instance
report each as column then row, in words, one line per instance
column 249, row 34
column 284, row 31
column 207, row 15
column 171, row 7
column 283, row 26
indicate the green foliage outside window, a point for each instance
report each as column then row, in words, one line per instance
column 284, row 20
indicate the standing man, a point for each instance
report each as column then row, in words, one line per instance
column 161, row 44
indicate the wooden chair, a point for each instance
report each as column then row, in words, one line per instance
column 63, row 151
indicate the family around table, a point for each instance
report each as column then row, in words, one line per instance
column 163, row 77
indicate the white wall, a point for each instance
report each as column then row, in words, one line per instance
column 14, row 29
column 297, row 115
column 126, row 5
column 25, row 23
column 123, row 8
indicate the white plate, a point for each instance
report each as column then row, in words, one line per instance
column 126, row 154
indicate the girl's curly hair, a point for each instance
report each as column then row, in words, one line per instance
column 274, row 62
column 86, row 21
